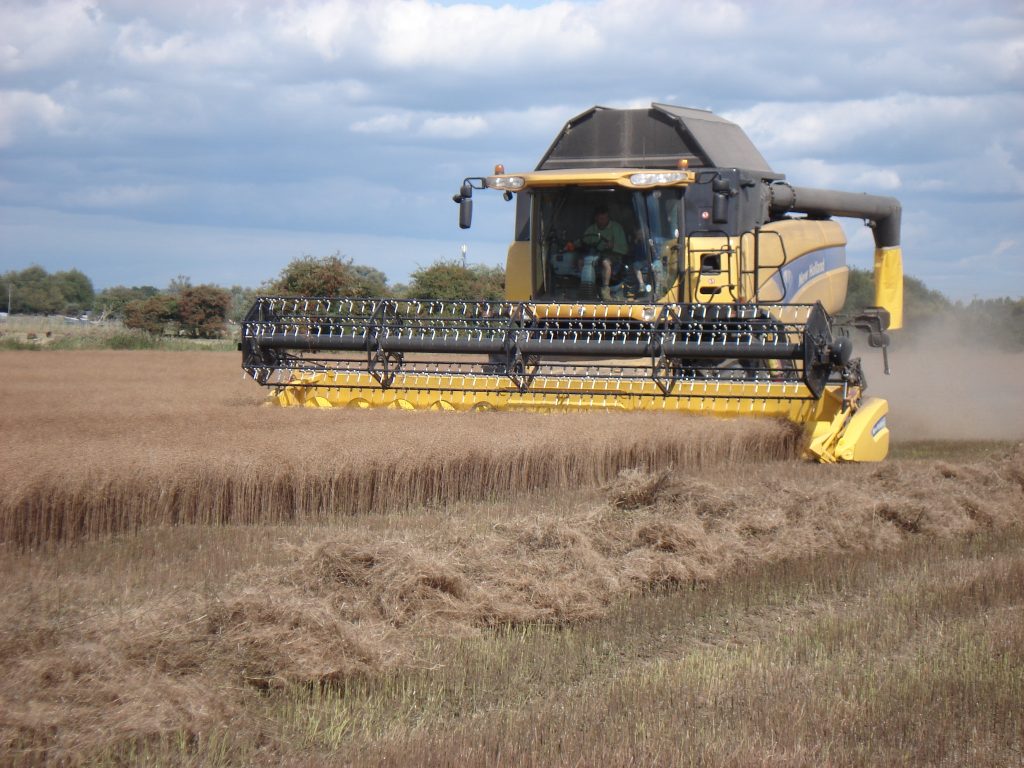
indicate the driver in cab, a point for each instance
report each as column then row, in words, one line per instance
column 608, row 239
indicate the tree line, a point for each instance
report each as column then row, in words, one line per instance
column 985, row 322
column 203, row 311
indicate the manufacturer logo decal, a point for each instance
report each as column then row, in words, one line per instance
column 813, row 270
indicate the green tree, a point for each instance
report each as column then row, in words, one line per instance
column 993, row 322
column 202, row 310
column 33, row 291
column 179, row 284
column 452, row 280
column 242, row 300
column 112, row 301
column 151, row 315
column 860, row 291
column 372, row 282
column 311, row 276
column 77, row 290
column 921, row 304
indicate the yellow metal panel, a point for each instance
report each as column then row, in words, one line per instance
column 460, row 392
column 856, row 433
column 889, row 283
column 783, row 242
column 518, row 272
column 866, row 437
column 779, row 244
column 836, row 430
column 824, row 430
column 828, row 288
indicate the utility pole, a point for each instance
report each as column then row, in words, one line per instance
column 10, row 290
column 463, row 250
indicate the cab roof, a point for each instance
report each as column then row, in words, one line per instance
column 656, row 137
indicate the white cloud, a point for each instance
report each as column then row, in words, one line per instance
column 849, row 176
column 24, row 111
column 1005, row 167
column 404, row 34
column 42, row 34
column 987, row 46
column 121, row 196
column 811, row 127
column 327, row 28
column 453, row 126
column 935, row 185
column 999, row 255
column 124, row 96
column 142, row 44
column 418, row 33
column 427, row 126
column 319, row 98
column 384, row 124
column 876, row 178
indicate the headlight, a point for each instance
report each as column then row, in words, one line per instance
column 506, row 182
column 661, row 177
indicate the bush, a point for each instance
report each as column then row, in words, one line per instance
column 151, row 315
column 202, row 311
column 452, row 280
column 312, row 276
column 112, row 301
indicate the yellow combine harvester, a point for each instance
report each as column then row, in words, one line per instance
column 659, row 263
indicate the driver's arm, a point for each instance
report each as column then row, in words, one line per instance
column 589, row 237
column 618, row 245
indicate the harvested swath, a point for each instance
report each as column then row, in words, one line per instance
column 109, row 443
column 362, row 604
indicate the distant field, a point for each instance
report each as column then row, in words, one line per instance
column 192, row 578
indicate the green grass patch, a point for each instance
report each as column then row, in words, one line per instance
column 15, row 344
column 959, row 450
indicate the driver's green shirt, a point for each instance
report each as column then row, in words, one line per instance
column 614, row 237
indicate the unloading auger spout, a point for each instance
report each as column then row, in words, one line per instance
column 706, row 295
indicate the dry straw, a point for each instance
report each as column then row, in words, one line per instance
column 113, row 443
column 361, row 604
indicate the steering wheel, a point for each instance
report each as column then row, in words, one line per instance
column 596, row 241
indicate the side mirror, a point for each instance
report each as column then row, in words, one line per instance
column 465, row 212
column 465, row 201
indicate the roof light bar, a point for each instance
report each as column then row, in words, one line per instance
column 659, row 177
column 506, row 182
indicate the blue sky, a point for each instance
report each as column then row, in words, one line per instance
column 219, row 140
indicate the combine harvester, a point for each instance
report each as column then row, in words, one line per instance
column 658, row 264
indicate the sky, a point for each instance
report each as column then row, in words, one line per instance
column 141, row 141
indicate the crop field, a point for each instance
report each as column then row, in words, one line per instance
column 193, row 578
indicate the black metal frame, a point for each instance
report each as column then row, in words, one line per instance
column 521, row 342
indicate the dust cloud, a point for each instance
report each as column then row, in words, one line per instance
column 943, row 387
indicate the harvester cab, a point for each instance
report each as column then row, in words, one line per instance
column 658, row 263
